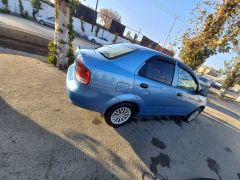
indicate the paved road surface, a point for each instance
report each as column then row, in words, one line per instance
column 35, row 28
column 43, row 136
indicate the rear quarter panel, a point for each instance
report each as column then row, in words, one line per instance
column 114, row 79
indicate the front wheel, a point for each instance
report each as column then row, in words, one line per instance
column 93, row 40
column 193, row 115
column 119, row 114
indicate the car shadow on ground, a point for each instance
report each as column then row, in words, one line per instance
column 173, row 148
column 29, row 151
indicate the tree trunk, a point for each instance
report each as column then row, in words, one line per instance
column 61, row 33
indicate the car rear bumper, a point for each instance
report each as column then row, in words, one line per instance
column 80, row 94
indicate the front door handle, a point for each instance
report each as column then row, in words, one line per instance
column 179, row 94
column 143, row 85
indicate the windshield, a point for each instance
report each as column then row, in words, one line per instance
column 116, row 50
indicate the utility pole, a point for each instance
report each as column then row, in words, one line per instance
column 174, row 21
column 95, row 10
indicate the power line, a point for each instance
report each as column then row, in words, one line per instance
column 161, row 7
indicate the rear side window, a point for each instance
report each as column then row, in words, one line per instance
column 158, row 70
column 116, row 50
column 186, row 80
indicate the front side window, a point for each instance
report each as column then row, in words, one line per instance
column 186, row 80
column 158, row 70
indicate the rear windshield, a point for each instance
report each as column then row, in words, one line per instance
column 115, row 50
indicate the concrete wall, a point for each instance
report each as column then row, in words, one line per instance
column 49, row 11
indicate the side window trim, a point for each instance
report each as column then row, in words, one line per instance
column 194, row 78
column 158, row 58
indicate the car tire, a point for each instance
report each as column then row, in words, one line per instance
column 93, row 40
column 119, row 114
column 42, row 22
column 193, row 115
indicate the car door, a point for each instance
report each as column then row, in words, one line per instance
column 50, row 21
column 153, row 85
column 187, row 86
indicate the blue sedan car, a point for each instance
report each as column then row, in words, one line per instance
column 125, row 80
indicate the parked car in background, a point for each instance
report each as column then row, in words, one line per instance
column 99, row 40
column 216, row 85
column 46, row 21
column 125, row 80
column 205, row 81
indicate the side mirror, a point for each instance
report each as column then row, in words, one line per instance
column 203, row 92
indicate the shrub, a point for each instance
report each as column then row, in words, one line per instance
column 52, row 53
column 5, row 10
column 25, row 14
column 70, row 55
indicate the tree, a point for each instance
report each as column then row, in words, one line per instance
column 5, row 9
column 61, row 50
column 21, row 8
column 36, row 4
column 5, row 3
column 62, row 13
column 233, row 73
column 107, row 15
column 213, row 32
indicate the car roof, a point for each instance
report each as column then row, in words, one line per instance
column 160, row 54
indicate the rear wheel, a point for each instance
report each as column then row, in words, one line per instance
column 42, row 22
column 119, row 114
column 193, row 115
column 93, row 40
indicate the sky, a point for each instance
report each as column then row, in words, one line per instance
column 155, row 18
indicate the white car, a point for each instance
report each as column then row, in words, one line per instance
column 46, row 21
column 205, row 81
column 99, row 40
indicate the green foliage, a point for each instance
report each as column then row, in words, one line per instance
column 5, row 10
column 214, row 32
column 70, row 55
column 21, row 9
column 36, row 4
column 5, row 2
column 71, row 34
column 233, row 73
column 25, row 14
column 52, row 53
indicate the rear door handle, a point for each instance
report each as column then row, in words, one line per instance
column 143, row 85
column 179, row 94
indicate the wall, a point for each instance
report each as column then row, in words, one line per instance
column 47, row 11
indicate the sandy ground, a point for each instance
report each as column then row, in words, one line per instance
column 43, row 136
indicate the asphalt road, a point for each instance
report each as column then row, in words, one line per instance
column 37, row 29
column 43, row 136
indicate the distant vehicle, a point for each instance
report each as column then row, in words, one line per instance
column 125, row 80
column 46, row 21
column 205, row 81
column 99, row 40
column 216, row 85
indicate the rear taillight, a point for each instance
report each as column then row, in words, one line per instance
column 82, row 73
